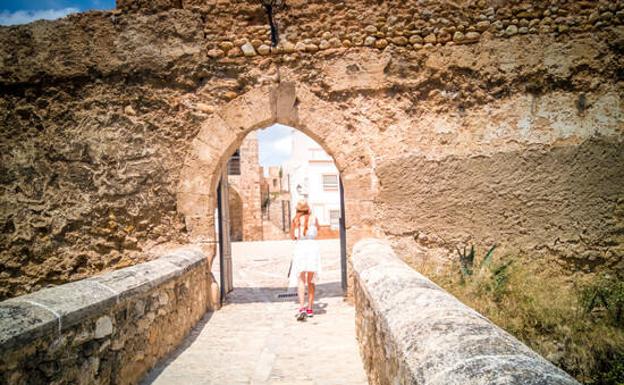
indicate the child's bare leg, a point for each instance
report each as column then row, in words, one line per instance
column 311, row 289
column 301, row 289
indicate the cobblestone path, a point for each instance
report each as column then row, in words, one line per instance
column 255, row 339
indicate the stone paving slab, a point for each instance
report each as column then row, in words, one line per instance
column 255, row 339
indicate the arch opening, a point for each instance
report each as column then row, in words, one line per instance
column 264, row 178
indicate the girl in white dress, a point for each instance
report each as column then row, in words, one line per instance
column 306, row 263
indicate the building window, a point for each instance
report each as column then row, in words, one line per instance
column 234, row 164
column 334, row 219
column 274, row 182
column 330, row 182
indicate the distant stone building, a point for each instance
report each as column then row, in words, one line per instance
column 245, row 176
column 274, row 180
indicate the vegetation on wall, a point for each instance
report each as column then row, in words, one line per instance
column 270, row 7
column 576, row 324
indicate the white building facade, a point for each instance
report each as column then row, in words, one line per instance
column 311, row 174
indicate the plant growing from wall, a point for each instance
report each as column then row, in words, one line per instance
column 271, row 7
column 466, row 261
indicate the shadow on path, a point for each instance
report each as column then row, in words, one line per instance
column 244, row 295
column 273, row 294
column 190, row 338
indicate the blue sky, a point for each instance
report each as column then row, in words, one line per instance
column 81, row 5
column 274, row 145
column 14, row 12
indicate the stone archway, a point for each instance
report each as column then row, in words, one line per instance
column 289, row 104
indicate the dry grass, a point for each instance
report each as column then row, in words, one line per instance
column 549, row 313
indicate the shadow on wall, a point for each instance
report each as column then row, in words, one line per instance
column 236, row 215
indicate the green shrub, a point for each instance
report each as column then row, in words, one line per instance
column 577, row 326
column 466, row 261
column 605, row 296
column 492, row 277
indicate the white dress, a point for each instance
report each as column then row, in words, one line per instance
column 307, row 254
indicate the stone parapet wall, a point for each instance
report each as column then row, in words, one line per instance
column 108, row 329
column 413, row 332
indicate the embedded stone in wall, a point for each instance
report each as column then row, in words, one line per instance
column 248, row 49
column 103, row 327
column 288, row 47
column 264, row 49
column 216, row 53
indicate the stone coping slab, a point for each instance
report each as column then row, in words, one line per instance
column 28, row 317
column 22, row 322
column 436, row 338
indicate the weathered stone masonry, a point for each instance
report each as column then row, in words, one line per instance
column 108, row 329
column 322, row 25
column 413, row 332
column 114, row 126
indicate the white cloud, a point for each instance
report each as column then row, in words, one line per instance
column 275, row 145
column 283, row 145
column 23, row 17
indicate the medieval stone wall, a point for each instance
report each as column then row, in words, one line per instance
column 322, row 25
column 560, row 203
column 114, row 126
